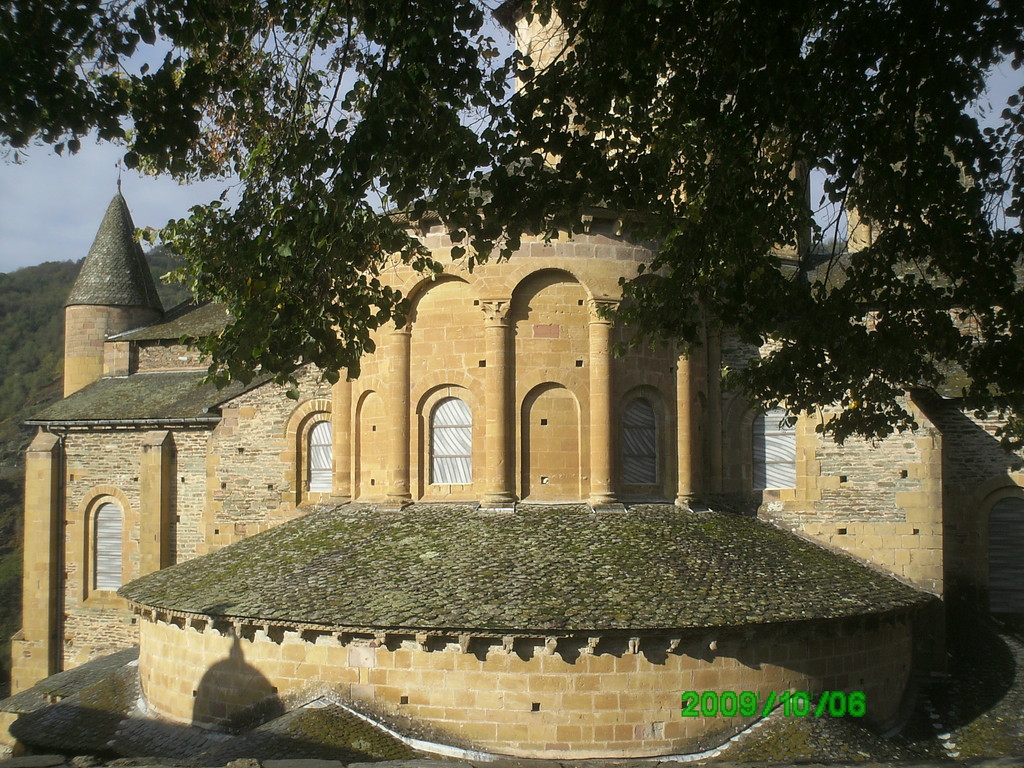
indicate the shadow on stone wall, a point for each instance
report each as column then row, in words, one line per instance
column 232, row 693
column 975, row 464
column 101, row 720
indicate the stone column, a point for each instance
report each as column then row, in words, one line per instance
column 35, row 650
column 399, row 348
column 713, row 443
column 600, row 331
column 498, row 491
column 341, row 437
column 156, row 475
column 688, row 419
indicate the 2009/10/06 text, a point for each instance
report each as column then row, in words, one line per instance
column 793, row 703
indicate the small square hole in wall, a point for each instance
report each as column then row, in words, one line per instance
column 183, row 480
column 543, row 480
column 372, row 481
column 535, row 706
column 273, row 689
column 579, row 302
column 482, row 363
column 194, row 693
column 241, row 449
column 223, row 486
column 373, row 428
column 71, row 477
column 476, row 303
column 903, row 473
column 841, row 531
column 270, row 486
column 842, row 478
column 216, row 531
column 543, row 422
column 579, row 363
column 135, row 619
column 403, row 700
column 917, row 531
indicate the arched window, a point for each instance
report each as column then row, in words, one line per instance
column 451, row 443
column 774, row 451
column 107, row 547
column 639, row 444
column 320, row 458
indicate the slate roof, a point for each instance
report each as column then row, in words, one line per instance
column 544, row 569
column 144, row 397
column 115, row 272
column 64, row 684
column 186, row 319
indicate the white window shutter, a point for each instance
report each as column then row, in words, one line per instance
column 107, row 543
column 451, row 443
column 321, row 458
column 774, row 451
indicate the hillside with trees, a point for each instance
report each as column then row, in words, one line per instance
column 31, row 351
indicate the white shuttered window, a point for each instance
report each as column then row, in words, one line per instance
column 107, row 547
column 639, row 444
column 451, row 443
column 320, row 460
column 774, row 449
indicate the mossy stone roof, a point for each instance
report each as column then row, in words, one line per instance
column 186, row 319
column 115, row 272
column 546, row 569
column 173, row 395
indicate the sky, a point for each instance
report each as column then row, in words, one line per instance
column 51, row 206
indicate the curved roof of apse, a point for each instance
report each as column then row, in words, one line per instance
column 544, row 569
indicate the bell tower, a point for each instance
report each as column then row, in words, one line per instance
column 113, row 293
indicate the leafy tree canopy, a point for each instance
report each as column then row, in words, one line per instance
column 695, row 120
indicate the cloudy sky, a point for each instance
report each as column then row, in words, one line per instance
column 50, row 206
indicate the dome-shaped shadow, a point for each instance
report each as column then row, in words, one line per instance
column 232, row 691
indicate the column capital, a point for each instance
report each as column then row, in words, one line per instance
column 496, row 311
column 596, row 309
column 405, row 330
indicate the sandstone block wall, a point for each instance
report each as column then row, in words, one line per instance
column 86, row 328
column 977, row 472
column 105, row 465
column 618, row 700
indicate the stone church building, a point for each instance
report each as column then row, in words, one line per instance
column 501, row 534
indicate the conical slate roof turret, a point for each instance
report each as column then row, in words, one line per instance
column 115, row 272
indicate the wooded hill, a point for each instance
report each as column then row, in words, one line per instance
column 31, row 370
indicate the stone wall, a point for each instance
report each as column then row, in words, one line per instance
column 86, row 328
column 105, row 465
column 250, row 473
column 977, row 472
column 166, row 356
column 617, row 698
column 879, row 501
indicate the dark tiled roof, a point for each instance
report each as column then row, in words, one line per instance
column 186, row 319
column 115, row 272
column 64, row 684
column 543, row 569
column 144, row 397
